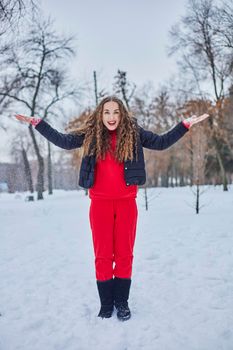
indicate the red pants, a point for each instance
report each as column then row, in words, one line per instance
column 113, row 223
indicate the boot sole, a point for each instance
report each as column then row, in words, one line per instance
column 107, row 315
column 122, row 319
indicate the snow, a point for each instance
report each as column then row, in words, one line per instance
column 181, row 296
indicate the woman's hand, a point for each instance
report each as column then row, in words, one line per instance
column 195, row 119
column 31, row 120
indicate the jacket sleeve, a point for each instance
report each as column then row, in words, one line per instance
column 66, row 141
column 154, row 141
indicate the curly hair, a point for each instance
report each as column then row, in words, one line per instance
column 97, row 137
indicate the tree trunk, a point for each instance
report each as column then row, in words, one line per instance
column 219, row 158
column 50, row 182
column 221, row 165
column 182, row 179
column 191, row 162
column 146, row 198
column 176, row 177
column 40, row 174
column 164, row 179
column 27, row 171
column 197, row 198
column 40, row 178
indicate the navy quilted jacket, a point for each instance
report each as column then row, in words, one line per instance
column 134, row 171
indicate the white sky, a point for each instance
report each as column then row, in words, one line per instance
column 130, row 35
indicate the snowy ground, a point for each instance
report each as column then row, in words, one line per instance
column 182, row 284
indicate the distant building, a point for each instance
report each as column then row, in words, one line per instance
column 3, row 187
column 13, row 179
column 12, row 175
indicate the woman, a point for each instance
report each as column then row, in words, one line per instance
column 112, row 168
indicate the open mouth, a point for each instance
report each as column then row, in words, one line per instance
column 112, row 123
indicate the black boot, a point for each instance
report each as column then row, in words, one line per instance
column 105, row 289
column 121, row 294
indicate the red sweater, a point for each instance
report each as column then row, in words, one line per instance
column 109, row 182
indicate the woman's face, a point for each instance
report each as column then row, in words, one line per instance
column 111, row 115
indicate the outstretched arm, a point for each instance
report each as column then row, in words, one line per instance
column 65, row 141
column 154, row 141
